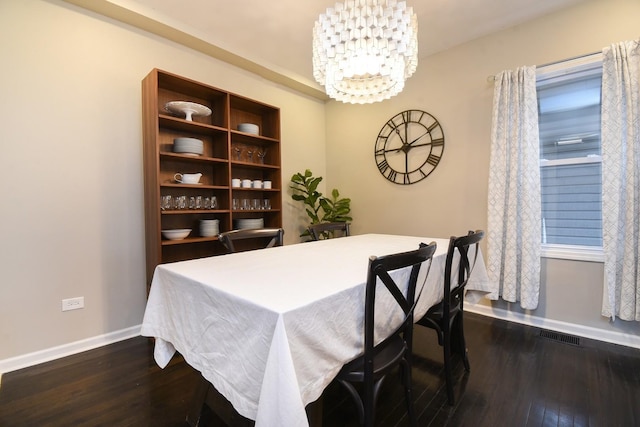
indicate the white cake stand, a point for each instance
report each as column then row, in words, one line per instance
column 189, row 109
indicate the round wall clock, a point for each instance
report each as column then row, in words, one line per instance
column 409, row 147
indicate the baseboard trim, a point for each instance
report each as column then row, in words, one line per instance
column 612, row 337
column 49, row 354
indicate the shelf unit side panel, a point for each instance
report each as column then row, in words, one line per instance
column 151, row 167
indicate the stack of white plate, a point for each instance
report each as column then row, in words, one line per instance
column 249, row 223
column 209, row 227
column 249, row 128
column 190, row 146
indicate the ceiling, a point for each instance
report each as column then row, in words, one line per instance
column 276, row 34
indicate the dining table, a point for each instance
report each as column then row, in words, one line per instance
column 271, row 328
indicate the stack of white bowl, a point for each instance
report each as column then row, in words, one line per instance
column 249, row 128
column 249, row 223
column 190, row 146
column 209, row 227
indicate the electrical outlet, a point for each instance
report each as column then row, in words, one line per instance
column 72, row 303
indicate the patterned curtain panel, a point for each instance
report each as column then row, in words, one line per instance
column 621, row 180
column 514, row 216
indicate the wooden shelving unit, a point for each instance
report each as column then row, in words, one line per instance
column 228, row 153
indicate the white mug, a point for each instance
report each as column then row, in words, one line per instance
column 246, row 183
column 257, row 183
column 187, row 178
column 266, row 184
column 235, row 182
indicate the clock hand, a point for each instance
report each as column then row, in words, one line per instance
column 406, row 162
column 422, row 145
column 406, row 146
column 394, row 150
column 400, row 136
column 418, row 138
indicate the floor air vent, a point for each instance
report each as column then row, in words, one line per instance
column 567, row 339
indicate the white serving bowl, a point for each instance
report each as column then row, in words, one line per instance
column 249, row 128
column 176, row 234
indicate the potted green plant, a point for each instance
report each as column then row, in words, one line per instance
column 318, row 207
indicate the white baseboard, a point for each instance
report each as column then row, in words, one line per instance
column 48, row 354
column 613, row 337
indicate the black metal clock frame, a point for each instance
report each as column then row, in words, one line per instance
column 409, row 147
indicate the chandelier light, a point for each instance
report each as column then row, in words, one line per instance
column 363, row 50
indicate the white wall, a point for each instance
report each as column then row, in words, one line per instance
column 72, row 221
column 453, row 87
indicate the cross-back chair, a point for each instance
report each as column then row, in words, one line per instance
column 229, row 239
column 327, row 230
column 371, row 368
column 446, row 317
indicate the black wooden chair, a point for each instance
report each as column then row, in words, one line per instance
column 327, row 230
column 270, row 236
column 371, row 368
column 446, row 317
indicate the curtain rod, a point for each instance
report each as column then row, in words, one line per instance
column 493, row 77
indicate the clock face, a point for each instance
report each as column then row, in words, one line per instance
column 409, row 147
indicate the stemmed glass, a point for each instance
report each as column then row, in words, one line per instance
column 250, row 151
column 237, row 151
column 262, row 153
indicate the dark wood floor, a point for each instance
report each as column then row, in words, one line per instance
column 518, row 378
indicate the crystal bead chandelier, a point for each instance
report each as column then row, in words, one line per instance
column 363, row 50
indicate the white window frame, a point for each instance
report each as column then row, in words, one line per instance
column 570, row 252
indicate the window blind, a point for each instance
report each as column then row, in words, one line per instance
column 571, row 177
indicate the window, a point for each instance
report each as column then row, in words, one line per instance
column 570, row 165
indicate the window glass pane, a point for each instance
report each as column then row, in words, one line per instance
column 569, row 118
column 569, row 124
column 572, row 204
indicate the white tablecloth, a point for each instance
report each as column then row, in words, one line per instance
column 271, row 328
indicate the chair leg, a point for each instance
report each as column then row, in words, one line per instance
column 370, row 399
column 461, row 345
column 447, row 367
column 357, row 400
column 408, row 392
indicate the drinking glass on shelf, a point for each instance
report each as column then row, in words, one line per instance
column 235, row 204
column 192, row 202
column 207, row 203
column 181, row 202
column 166, row 203
column 262, row 153
column 214, row 202
column 250, row 151
column 256, row 204
column 199, row 204
column 246, row 205
column 266, row 204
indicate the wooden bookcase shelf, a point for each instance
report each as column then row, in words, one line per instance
column 228, row 153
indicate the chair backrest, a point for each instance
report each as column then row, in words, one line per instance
column 228, row 238
column 327, row 230
column 379, row 268
column 454, row 287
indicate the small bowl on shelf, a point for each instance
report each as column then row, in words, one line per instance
column 176, row 234
column 249, row 128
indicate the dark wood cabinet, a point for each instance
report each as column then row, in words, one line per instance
column 227, row 154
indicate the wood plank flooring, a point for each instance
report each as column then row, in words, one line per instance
column 517, row 378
